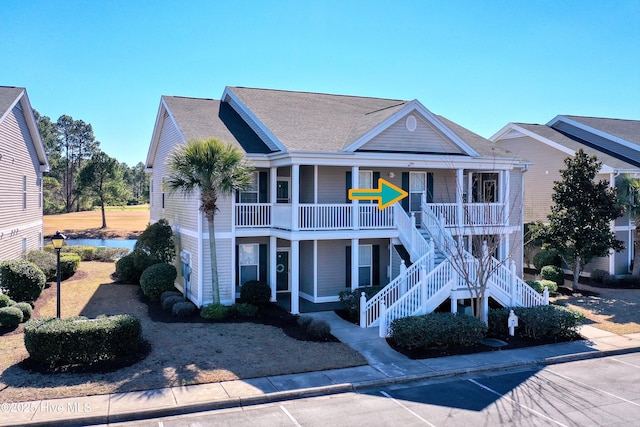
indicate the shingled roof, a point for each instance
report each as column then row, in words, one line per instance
column 8, row 96
column 629, row 130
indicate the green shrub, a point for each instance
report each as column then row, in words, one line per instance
column 598, row 275
column 255, row 292
column 610, row 280
column 69, row 263
column 437, row 329
column 86, row 253
column 4, row 301
column 498, row 322
column 549, row 284
column 632, row 282
column 157, row 241
column 46, row 261
column 129, row 268
column 110, row 254
column 27, row 310
column 351, row 299
column 319, row 330
column 304, row 321
column 243, row 310
column 553, row 273
column 214, row 312
column 10, row 317
column 547, row 257
column 550, row 321
column 22, row 280
column 535, row 284
column 167, row 294
column 157, row 279
column 183, row 308
column 79, row 340
column 167, row 303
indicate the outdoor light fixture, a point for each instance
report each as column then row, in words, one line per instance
column 57, row 241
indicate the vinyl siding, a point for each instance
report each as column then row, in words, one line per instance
column 515, row 197
column 621, row 258
column 547, row 163
column 424, row 139
column 332, row 267
column 306, row 267
column 19, row 159
column 224, row 252
column 189, row 244
column 306, row 184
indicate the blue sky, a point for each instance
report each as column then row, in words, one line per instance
column 480, row 64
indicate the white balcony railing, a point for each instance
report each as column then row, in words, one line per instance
column 253, row 215
column 472, row 215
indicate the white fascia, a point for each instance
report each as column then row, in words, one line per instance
column 228, row 93
column 592, row 130
column 157, row 130
column 414, row 106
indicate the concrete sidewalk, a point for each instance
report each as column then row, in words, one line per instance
column 385, row 367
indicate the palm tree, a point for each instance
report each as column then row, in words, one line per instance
column 213, row 168
column 629, row 195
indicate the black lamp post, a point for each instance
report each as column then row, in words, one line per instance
column 58, row 240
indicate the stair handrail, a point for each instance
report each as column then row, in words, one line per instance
column 409, row 235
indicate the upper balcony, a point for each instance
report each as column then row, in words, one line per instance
column 339, row 216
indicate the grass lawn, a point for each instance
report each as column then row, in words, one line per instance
column 121, row 223
column 182, row 353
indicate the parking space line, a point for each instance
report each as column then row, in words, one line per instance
column 626, row 363
column 291, row 417
column 388, row 396
column 490, row 390
column 593, row 388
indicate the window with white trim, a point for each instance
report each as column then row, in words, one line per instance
column 249, row 262
column 365, row 265
column 250, row 195
column 365, row 180
column 417, row 186
column 24, row 192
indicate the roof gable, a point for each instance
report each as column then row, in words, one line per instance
column 10, row 97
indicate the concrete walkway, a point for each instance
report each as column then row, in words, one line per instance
column 385, row 367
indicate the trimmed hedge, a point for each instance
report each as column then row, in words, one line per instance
column 536, row 322
column 78, row 340
column 22, row 280
column 167, row 294
column 26, row 309
column 129, row 268
column 157, row 279
column 256, row 293
column 10, row 316
column 156, row 241
column 539, row 285
column 215, row 312
column 4, row 301
column 553, row 273
column 351, row 299
column 47, row 263
column 69, row 263
column 437, row 329
column 168, row 302
column 243, row 310
column 547, row 257
column 183, row 308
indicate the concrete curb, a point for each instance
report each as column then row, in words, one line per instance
column 314, row 391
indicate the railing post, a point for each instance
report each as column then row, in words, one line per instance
column 412, row 231
column 432, row 258
column 513, row 282
column 403, row 274
column 545, row 296
column 424, row 293
column 363, row 310
column 382, row 331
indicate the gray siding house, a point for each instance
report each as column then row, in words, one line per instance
column 296, row 228
column 615, row 142
column 22, row 163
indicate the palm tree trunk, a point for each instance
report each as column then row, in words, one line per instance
column 215, row 286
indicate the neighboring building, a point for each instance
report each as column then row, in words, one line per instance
column 22, row 162
column 295, row 227
column 615, row 142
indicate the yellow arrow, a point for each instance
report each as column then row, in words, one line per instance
column 386, row 194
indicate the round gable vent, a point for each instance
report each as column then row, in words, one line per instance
column 411, row 123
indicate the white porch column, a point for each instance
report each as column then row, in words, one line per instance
column 273, row 261
column 315, row 269
column 612, row 257
column 315, row 184
column 295, row 277
column 273, row 186
column 459, row 193
column 355, row 261
column 355, row 212
column 295, row 196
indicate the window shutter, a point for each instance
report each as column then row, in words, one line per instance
column 262, row 188
column 262, row 263
column 376, row 177
column 348, row 186
column 348, row 263
column 375, row 265
column 405, row 187
column 237, row 268
column 429, row 187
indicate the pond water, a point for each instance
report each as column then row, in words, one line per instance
column 109, row 243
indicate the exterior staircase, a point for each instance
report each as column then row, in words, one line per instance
column 435, row 275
